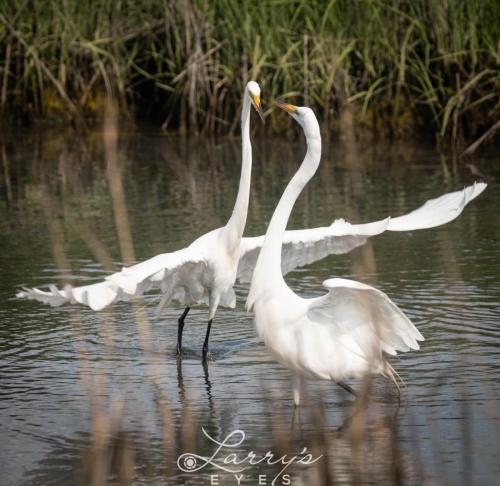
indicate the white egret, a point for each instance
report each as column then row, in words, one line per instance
column 340, row 335
column 206, row 270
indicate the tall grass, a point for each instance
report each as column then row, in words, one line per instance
column 391, row 67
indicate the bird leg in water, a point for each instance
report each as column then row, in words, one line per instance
column 205, row 344
column 208, row 383
column 180, row 328
column 346, row 387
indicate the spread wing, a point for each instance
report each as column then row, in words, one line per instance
column 363, row 319
column 177, row 274
column 438, row 211
column 302, row 247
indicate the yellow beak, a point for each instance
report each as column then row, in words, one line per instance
column 257, row 105
column 286, row 106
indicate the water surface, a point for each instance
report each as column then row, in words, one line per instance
column 60, row 366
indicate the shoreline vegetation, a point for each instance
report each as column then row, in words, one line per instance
column 368, row 67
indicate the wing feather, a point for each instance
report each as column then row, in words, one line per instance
column 438, row 211
column 169, row 271
column 96, row 296
column 303, row 247
column 364, row 317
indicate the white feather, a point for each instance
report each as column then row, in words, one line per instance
column 170, row 271
column 347, row 332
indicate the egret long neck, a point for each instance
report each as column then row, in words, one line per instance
column 269, row 263
column 239, row 217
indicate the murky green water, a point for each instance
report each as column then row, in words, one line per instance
column 57, row 219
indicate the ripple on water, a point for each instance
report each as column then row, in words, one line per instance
column 53, row 359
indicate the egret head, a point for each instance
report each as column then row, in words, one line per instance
column 304, row 116
column 253, row 90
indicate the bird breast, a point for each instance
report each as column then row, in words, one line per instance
column 304, row 346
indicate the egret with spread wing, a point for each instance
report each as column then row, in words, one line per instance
column 204, row 272
column 340, row 335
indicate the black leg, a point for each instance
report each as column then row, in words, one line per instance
column 207, row 382
column 180, row 328
column 205, row 344
column 346, row 387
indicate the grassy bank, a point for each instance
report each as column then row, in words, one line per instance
column 392, row 68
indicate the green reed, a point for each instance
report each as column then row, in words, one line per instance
column 393, row 68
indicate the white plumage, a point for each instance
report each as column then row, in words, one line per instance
column 438, row 211
column 344, row 333
column 206, row 270
column 180, row 274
